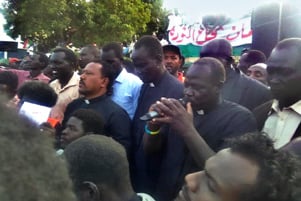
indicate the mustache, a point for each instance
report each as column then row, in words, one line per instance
column 82, row 82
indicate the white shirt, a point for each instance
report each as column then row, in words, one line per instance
column 281, row 125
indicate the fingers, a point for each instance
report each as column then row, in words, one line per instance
column 189, row 108
column 157, row 107
column 168, row 107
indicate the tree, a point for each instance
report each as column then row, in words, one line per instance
column 50, row 22
column 158, row 21
column 39, row 21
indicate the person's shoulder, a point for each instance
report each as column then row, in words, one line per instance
column 111, row 105
column 134, row 79
column 237, row 117
column 54, row 82
column 264, row 106
column 171, row 81
column 75, row 102
column 128, row 78
column 232, row 107
column 254, row 84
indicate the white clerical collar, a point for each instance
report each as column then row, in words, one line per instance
column 151, row 84
column 200, row 112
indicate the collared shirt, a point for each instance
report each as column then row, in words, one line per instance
column 126, row 90
column 117, row 121
column 281, row 125
column 41, row 77
column 24, row 76
column 65, row 95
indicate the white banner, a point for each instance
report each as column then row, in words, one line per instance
column 237, row 33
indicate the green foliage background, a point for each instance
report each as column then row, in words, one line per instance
column 49, row 23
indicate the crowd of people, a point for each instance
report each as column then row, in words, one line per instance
column 219, row 131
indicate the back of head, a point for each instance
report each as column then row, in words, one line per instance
column 29, row 169
column 93, row 50
column 152, row 45
column 44, row 60
column 218, row 48
column 9, row 81
column 290, row 43
column 278, row 170
column 38, row 93
column 250, row 58
column 98, row 159
column 92, row 121
column 112, row 50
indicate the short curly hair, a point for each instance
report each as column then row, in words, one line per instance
column 152, row 46
column 98, row 159
column 91, row 120
column 218, row 74
column 29, row 169
column 37, row 92
column 278, row 170
column 255, row 56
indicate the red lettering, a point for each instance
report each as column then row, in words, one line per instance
column 199, row 41
column 186, row 32
column 233, row 36
column 245, row 35
column 173, row 35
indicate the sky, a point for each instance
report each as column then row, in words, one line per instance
column 194, row 9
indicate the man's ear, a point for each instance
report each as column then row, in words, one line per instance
column 159, row 58
column 89, row 192
column 217, row 88
column 105, row 82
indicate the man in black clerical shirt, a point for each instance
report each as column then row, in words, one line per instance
column 179, row 141
column 95, row 86
column 157, row 82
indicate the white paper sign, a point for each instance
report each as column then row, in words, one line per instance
column 37, row 113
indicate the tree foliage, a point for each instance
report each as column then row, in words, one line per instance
column 50, row 22
column 158, row 21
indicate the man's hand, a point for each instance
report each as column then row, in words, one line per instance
column 174, row 114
